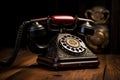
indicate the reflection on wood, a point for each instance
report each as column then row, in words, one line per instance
column 113, row 67
column 26, row 68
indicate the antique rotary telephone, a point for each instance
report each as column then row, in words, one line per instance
column 58, row 42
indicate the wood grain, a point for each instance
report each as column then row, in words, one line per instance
column 26, row 68
column 113, row 67
column 23, row 60
column 18, row 72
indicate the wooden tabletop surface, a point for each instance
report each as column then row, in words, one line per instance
column 25, row 67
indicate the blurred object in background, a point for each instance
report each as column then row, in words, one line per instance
column 99, row 14
column 100, row 40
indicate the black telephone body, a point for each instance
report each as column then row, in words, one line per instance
column 59, row 41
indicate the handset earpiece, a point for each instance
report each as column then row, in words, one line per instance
column 11, row 59
column 37, row 38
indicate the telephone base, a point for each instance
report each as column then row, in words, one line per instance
column 59, row 63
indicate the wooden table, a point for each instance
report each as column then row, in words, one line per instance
column 26, row 68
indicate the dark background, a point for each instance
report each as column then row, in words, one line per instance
column 14, row 13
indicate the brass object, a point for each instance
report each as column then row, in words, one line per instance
column 100, row 40
column 99, row 14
